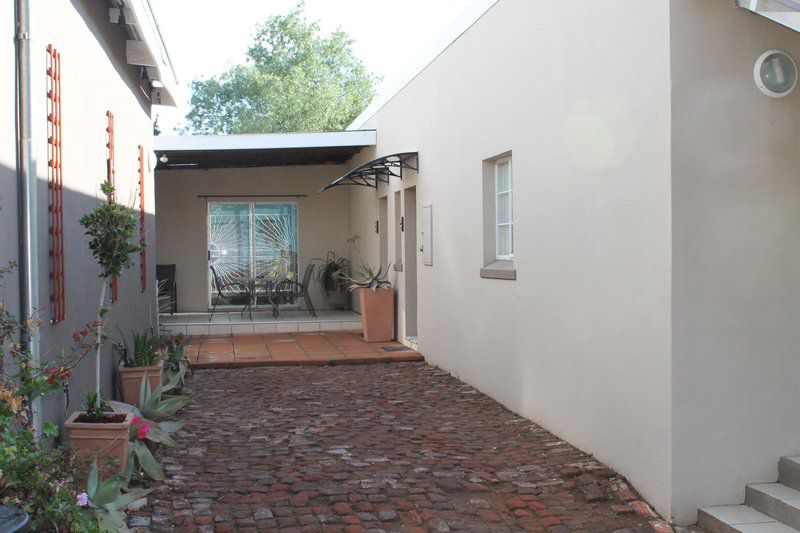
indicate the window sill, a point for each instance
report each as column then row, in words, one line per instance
column 499, row 270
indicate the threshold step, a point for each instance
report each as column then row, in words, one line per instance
column 789, row 471
column 739, row 519
column 776, row 500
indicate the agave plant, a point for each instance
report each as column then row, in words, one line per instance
column 367, row 276
column 370, row 278
column 106, row 499
column 153, row 422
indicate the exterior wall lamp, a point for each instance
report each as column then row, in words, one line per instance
column 775, row 73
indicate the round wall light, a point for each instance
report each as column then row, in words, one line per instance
column 775, row 74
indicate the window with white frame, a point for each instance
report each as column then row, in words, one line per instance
column 504, row 209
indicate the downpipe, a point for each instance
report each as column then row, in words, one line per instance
column 26, row 193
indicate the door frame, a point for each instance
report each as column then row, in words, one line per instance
column 410, row 255
column 208, row 240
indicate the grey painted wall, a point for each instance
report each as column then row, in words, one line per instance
column 95, row 79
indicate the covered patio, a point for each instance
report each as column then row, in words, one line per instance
column 244, row 233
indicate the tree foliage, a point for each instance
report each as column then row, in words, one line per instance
column 294, row 79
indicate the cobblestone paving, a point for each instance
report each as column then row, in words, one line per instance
column 393, row 447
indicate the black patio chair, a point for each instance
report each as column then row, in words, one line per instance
column 167, row 289
column 287, row 289
column 240, row 290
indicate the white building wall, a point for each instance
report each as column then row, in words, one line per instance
column 736, row 257
column 580, row 342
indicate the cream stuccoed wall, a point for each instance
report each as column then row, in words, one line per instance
column 581, row 341
column 736, row 257
column 95, row 79
column 182, row 220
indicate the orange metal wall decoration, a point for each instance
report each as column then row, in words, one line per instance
column 110, row 171
column 142, row 215
column 55, row 185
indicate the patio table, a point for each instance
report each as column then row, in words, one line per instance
column 252, row 283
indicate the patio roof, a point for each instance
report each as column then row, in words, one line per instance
column 378, row 170
column 785, row 12
column 259, row 150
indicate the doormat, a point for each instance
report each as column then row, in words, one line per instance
column 396, row 348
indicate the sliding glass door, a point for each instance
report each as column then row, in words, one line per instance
column 248, row 239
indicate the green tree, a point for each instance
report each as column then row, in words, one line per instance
column 294, row 79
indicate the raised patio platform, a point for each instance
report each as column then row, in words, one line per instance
column 293, row 349
column 233, row 323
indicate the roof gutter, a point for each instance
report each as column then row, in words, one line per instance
column 26, row 192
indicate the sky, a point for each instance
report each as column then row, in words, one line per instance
column 206, row 36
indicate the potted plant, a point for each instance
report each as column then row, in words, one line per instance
column 143, row 358
column 111, row 229
column 376, row 295
column 332, row 279
column 100, row 433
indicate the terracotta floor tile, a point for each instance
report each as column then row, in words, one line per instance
column 325, row 355
column 312, row 348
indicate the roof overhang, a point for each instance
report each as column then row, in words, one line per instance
column 785, row 12
column 378, row 171
column 145, row 47
column 260, row 150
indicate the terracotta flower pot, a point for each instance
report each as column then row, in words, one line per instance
column 131, row 380
column 377, row 313
column 107, row 441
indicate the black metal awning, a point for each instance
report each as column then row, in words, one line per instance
column 378, row 170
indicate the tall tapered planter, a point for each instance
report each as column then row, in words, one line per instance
column 107, row 441
column 131, row 380
column 377, row 313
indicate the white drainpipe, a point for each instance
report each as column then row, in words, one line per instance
column 26, row 191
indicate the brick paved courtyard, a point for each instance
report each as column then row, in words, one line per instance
column 393, row 447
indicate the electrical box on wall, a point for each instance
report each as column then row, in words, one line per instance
column 425, row 235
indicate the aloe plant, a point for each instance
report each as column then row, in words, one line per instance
column 155, row 413
column 106, row 499
column 370, row 278
column 145, row 349
column 367, row 276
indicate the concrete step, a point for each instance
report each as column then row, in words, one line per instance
column 739, row 519
column 776, row 500
column 789, row 471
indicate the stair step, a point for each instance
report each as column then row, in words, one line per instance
column 739, row 519
column 789, row 471
column 776, row 500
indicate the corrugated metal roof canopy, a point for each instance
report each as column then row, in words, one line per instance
column 262, row 150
